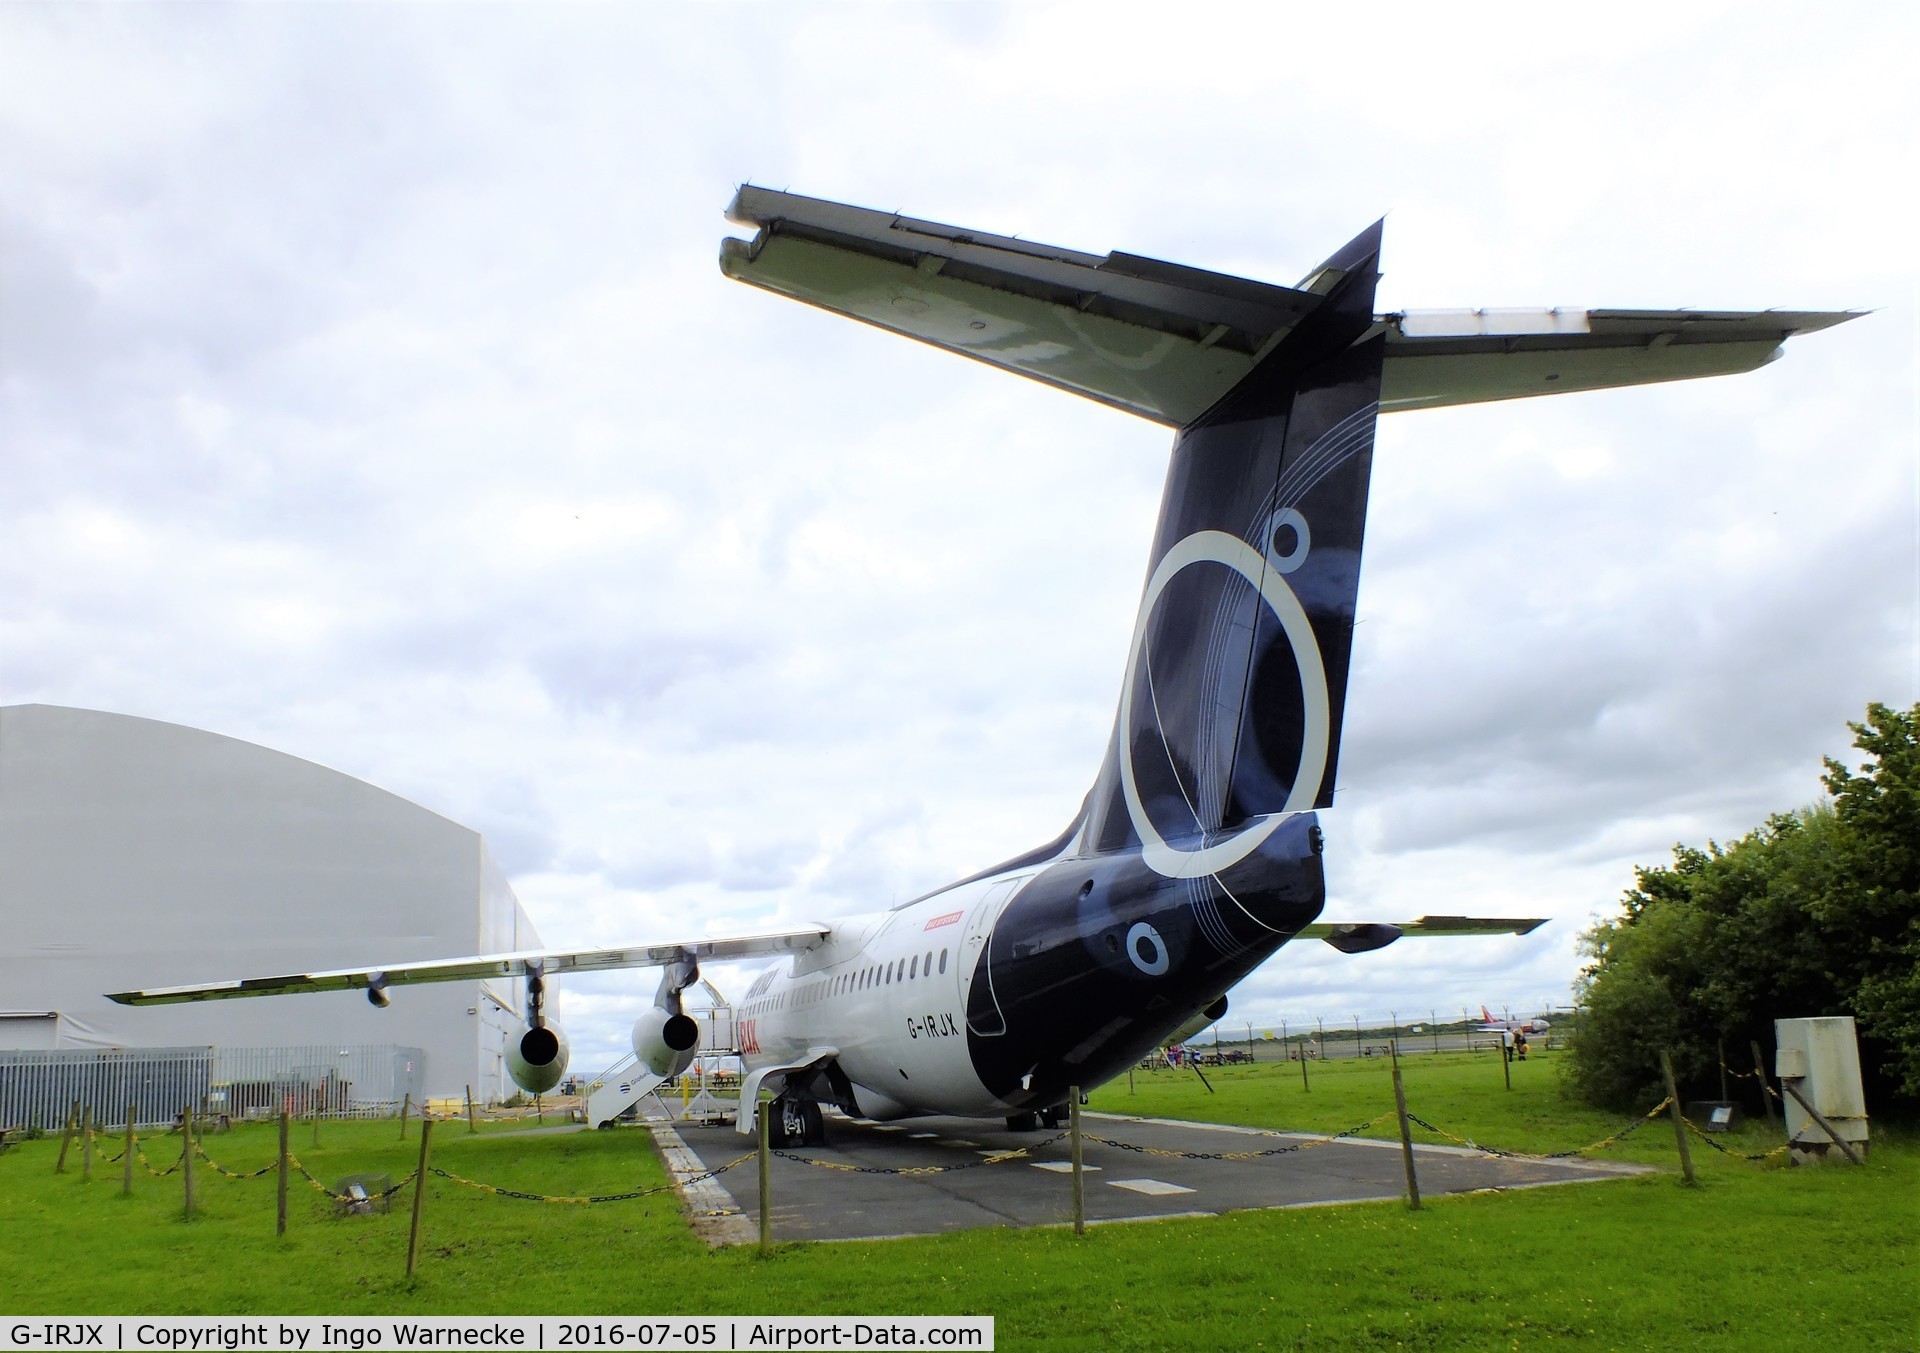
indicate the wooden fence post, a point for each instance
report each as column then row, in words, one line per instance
column 280, row 1223
column 470, row 1123
column 1825, row 1126
column 186, row 1157
column 1760, row 1071
column 406, row 1105
column 419, row 1195
column 1406, row 1142
column 1679, row 1119
column 126, row 1156
column 1079, row 1175
column 86, row 1144
column 66, row 1138
column 765, row 1109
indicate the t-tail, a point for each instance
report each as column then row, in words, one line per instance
column 1236, row 678
column 1197, row 853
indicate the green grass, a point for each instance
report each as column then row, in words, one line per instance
column 1463, row 1093
column 1756, row 1257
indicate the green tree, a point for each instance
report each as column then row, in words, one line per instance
column 1814, row 912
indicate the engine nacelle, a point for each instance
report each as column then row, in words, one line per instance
column 664, row 1041
column 538, row 1059
column 1213, row 1014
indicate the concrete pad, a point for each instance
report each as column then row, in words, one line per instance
column 867, row 1197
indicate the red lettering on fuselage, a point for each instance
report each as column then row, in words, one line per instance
column 939, row 921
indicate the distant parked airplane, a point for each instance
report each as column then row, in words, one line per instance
column 1198, row 853
column 1489, row 1025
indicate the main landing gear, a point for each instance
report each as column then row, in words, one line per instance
column 795, row 1122
column 1034, row 1120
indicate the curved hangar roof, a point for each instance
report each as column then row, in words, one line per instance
column 1165, row 341
column 134, row 851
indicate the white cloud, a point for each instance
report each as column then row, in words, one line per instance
column 368, row 391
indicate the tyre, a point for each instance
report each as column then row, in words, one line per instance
column 1023, row 1122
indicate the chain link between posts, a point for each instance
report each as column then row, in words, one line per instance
column 990, row 1158
column 588, row 1199
column 1623, row 1133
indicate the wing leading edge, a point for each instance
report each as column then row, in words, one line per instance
column 1165, row 341
column 549, row 962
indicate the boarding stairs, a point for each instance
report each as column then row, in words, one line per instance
column 618, row 1091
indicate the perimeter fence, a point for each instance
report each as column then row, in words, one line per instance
column 184, row 1153
column 39, row 1089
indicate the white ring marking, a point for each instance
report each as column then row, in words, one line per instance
column 1142, row 932
column 1221, row 548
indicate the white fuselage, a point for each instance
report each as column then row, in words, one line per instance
column 889, row 991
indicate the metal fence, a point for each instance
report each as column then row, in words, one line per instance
column 38, row 1089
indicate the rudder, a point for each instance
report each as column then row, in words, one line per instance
column 1236, row 680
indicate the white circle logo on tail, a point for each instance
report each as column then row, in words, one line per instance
column 1218, row 547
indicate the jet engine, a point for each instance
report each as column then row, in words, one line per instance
column 1213, row 1014
column 665, row 1040
column 538, row 1058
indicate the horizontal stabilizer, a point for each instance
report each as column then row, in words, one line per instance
column 1166, row 341
column 1359, row 937
column 549, row 962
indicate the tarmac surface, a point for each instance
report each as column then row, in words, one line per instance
column 927, row 1176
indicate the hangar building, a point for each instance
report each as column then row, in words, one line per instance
column 135, row 853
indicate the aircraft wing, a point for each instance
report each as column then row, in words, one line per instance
column 1358, row 937
column 1165, row 341
column 550, row 962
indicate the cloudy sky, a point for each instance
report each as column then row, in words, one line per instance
column 368, row 390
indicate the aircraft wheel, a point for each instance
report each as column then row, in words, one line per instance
column 796, row 1122
column 1023, row 1122
column 1053, row 1117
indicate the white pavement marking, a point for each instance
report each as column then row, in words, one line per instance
column 1060, row 1166
column 957, row 1141
column 1153, row 1188
column 922, row 1136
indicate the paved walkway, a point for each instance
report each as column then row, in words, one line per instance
column 869, row 1200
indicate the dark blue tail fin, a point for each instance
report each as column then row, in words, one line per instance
column 1237, row 678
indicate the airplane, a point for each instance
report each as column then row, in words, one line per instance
column 1489, row 1025
column 1198, row 853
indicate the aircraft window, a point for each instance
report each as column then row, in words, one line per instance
column 889, row 974
column 928, row 969
column 914, row 970
column 943, row 960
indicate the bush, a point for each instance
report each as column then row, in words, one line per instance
column 1814, row 913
